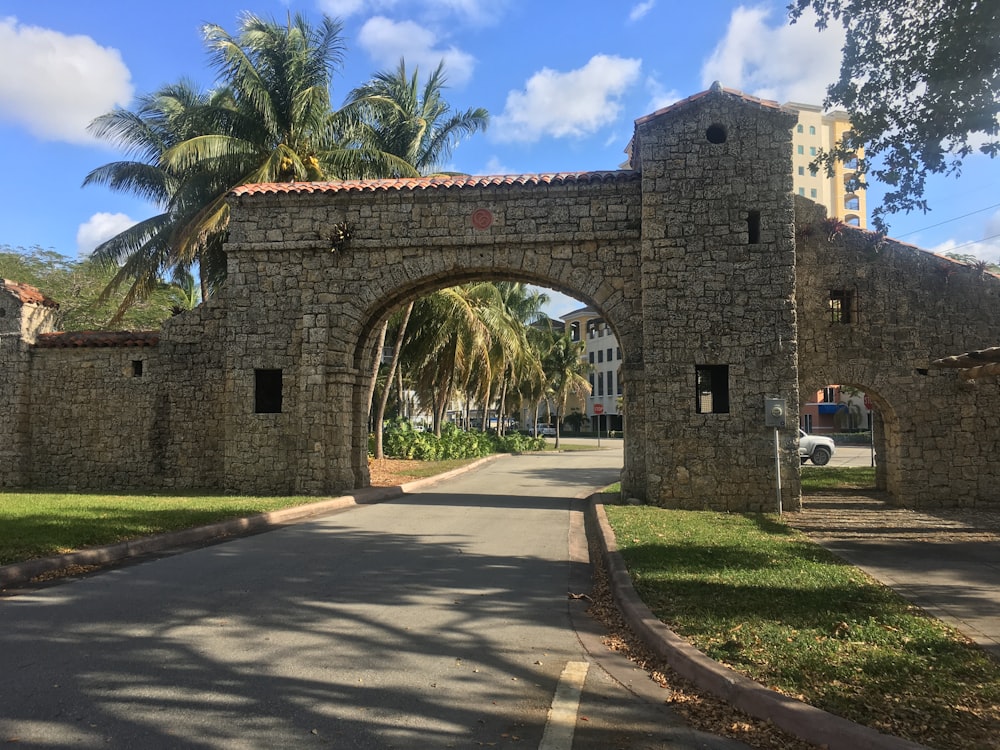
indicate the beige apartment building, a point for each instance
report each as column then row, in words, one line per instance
column 815, row 132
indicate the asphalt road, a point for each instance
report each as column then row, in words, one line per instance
column 437, row 620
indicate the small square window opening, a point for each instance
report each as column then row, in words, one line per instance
column 712, row 389
column 267, row 391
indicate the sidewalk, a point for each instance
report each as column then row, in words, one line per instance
column 945, row 561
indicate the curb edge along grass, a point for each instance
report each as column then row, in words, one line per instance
column 800, row 719
column 22, row 572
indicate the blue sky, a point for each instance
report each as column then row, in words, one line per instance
column 563, row 81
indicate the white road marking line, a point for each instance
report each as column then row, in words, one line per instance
column 561, row 722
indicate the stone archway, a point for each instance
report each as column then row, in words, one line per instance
column 598, row 294
column 723, row 290
column 887, row 430
column 697, row 281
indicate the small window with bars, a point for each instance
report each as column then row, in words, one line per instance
column 842, row 306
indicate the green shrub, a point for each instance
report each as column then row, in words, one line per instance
column 400, row 440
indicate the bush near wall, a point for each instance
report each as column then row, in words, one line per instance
column 401, row 440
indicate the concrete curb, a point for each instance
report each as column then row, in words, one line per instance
column 22, row 572
column 800, row 719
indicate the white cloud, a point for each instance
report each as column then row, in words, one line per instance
column 386, row 41
column 495, row 166
column 342, row 8
column 475, row 11
column 783, row 62
column 54, row 85
column 659, row 97
column 640, row 10
column 98, row 228
column 987, row 249
column 573, row 104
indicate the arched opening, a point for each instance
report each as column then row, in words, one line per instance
column 503, row 388
column 864, row 429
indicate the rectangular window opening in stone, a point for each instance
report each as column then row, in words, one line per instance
column 712, row 389
column 600, row 384
column 753, row 227
column 842, row 306
column 136, row 368
column 267, row 391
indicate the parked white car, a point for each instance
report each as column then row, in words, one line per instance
column 816, row 448
column 546, row 431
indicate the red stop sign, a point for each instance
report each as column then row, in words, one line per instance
column 598, row 408
column 868, row 402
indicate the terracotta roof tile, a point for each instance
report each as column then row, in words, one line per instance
column 86, row 339
column 26, row 294
column 433, row 183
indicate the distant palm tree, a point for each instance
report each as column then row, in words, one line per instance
column 566, row 370
column 522, row 306
column 446, row 342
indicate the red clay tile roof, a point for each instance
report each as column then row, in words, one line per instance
column 716, row 88
column 446, row 181
column 26, row 294
column 80, row 339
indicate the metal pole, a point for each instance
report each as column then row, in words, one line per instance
column 872, row 433
column 599, row 430
column 777, row 467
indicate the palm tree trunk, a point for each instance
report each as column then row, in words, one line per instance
column 375, row 366
column 380, row 416
column 486, row 409
column 501, row 409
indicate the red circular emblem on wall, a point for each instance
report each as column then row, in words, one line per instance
column 482, row 218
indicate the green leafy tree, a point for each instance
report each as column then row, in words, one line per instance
column 77, row 285
column 920, row 80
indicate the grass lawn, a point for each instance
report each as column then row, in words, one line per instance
column 37, row 524
column 760, row 597
column 834, row 478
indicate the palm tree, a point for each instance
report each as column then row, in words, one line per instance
column 269, row 121
column 398, row 129
column 393, row 128
column 279, row 127
column 446, row 341
column 141, row 253
column 566, row 369
column 522, row 309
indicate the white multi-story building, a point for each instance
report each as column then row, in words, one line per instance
column 605, row 357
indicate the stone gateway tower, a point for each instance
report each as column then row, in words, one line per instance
column 717, row 283
column 717, row 304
